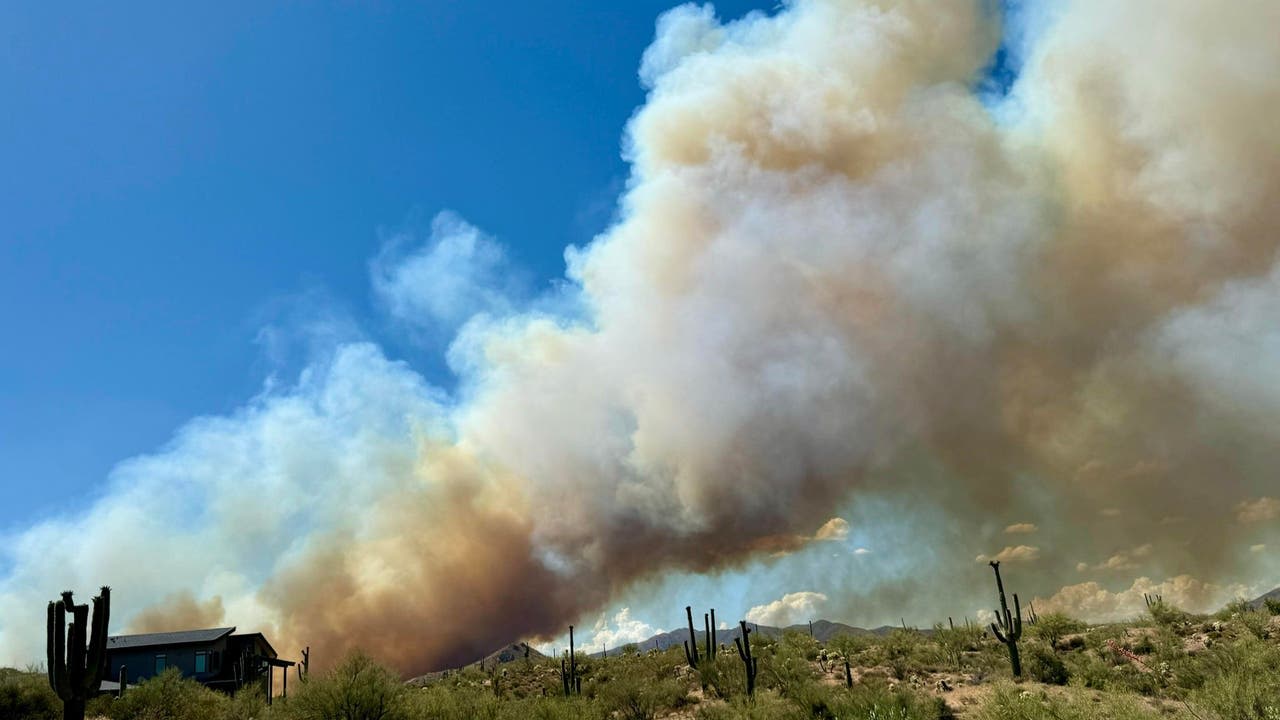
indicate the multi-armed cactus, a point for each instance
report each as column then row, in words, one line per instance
column 75, row 671
column 744, row 653
column 304, row 666
column 1152, row 600
column 1009, row 630
column 691, row 645
column 1032, row 617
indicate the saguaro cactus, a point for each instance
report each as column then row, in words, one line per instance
column 574, row 683
column 1009, row 630
column 691, row 645
column 744, row 653
column 710, row 621
column 75, row 671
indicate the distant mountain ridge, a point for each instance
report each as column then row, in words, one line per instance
column 823, row 630
column 1273, row 595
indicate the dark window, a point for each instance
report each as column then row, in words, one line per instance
column 160, row 664
column 202, row 662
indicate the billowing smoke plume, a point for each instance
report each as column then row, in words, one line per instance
column 838, row 275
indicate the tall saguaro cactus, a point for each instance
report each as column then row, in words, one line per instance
column 710, row 622
column 691, row 645
column 1009, row 630
column 75, row 670
column 744, row 654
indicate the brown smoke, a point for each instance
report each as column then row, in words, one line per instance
column 180, row 611
column 838, row 277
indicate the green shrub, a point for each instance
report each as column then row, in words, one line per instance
column 27, row 696
column 875, row 700
column 1144, row 645
column 641, row 698
column 1050, row 627
column 1166, row 615
column 1241, row 681
column 1044, row 665
column 899, row 650
column 1008, row 702
column 1233, row 608
column 953, row 643
column 249, row 703
column 358, row 689
column 167, row 696
column 1272, row 605
column 765, row 706
column 1257, row 622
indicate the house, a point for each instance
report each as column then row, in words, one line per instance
column 216, row 657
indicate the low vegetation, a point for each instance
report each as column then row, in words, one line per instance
column 1168, row 664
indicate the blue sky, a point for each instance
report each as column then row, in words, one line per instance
column 180, row 176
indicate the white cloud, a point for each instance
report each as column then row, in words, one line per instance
column 862, row 551
column 459, row 272
column 1127, row 560
column 1263, row 509
column 1013, row 553
column 1025, row 528
column 790, row 609
column 1093, row 602
column 835, row 529
column 623, row 629
column 1257, row 548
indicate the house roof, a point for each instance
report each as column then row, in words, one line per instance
column 261, row 637
column 123, row 642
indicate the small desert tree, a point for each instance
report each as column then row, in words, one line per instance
column 1051, row 627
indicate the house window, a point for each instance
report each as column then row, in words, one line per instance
column 160, row 664
column 202, row 662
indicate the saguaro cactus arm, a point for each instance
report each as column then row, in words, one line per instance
column 691, row 649
column 97, row 653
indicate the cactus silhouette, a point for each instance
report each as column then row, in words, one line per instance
column 744, row 653
column 75, row 670
column 1009, row 630
column 691, row 645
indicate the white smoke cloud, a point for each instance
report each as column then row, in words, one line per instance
column 1263, row 509
column 1094, row 603
column 833, row 530
column 1127, row 560
column 436, row 286
column 621, row 630
column 1012, row 553
column 230, row 501
column 790, row 609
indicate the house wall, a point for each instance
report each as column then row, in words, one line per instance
column 141, row 662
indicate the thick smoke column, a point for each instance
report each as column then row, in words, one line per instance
column 836, row 272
